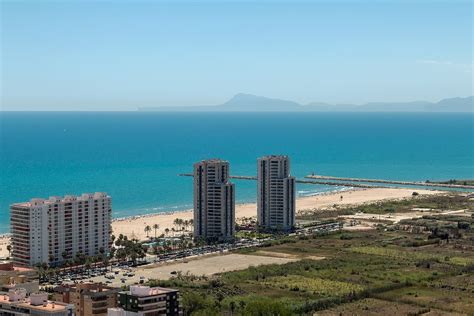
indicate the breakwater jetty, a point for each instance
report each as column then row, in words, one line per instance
column 404, row 183
column 359, row 182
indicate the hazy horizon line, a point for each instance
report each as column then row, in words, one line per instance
column 138, row 107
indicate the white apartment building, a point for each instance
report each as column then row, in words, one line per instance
column 55, row 229
column 214, row 201
column 275, row 193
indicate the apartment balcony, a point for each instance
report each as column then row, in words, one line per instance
column 100, row 304
column 152, row 306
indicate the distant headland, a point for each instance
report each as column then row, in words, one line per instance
column 251, row 103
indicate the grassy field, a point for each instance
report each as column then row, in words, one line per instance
column 388, row 271
column 376, row 307
column 411, row 255
column 432, row 297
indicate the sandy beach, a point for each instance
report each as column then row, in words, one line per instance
column 134, row 227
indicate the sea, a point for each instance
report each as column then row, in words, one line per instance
column 136, row 156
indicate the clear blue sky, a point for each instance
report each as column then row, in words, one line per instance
column 118, row 55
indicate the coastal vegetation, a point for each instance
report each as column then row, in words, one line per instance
column 414, row 266
column 449, row 201
column 404, row 268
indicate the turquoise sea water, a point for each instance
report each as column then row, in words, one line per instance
column 136, row 157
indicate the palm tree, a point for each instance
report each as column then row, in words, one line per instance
column 167, row 231
column 88, row 262
column 147, row 230
column 156, row 227
column 64, row 254
column 155, row 248
column 41, row 272
column 182, row 243
column 78, row 258
column 9, row 248
column 121, row 254
column 119, row 241
column 112, row 252
column 102, row 256
column 50, row 272
column 106, row 263
column 145, row 249
column 51, row 259
column 176, row 222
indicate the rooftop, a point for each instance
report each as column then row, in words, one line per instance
column 26, row 302
column 65, row 199
column 86, row 287
column 141, row 290
column 213, row 160
column 49, row 306
column 9, row 266
column 279, row 157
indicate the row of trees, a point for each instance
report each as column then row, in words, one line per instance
column 80, row 262
column 122, row 249
column 128, row 249
column 180, row 226
column 148, row 229
column 81, row 259
column 173, row 244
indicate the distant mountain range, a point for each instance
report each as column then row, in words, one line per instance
column 251, row 103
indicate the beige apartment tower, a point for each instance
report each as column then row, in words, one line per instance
column 54, row 230
column 275, row 193
column 214, row 201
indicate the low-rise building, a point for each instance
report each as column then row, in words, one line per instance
column 88, row 298
column 14, row 277
column 147, row 301
column 16, row 302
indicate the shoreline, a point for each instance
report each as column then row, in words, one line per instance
column 172, row 212
column 133, row 226
column 237, row 204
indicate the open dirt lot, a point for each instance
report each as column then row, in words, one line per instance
column 208, row 265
